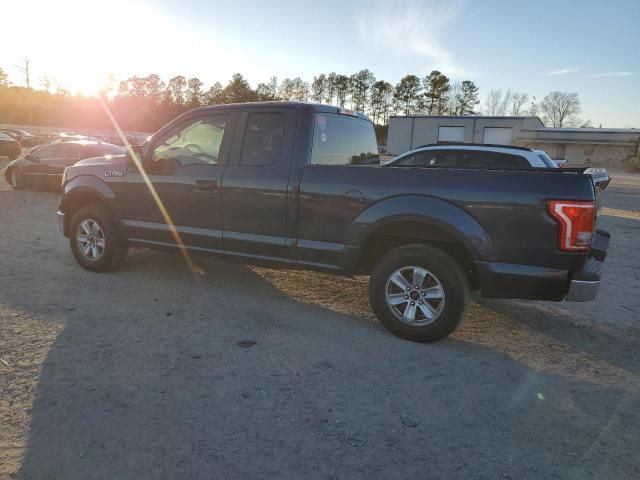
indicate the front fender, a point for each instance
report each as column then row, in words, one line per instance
column 86, row 185
column 428, row 210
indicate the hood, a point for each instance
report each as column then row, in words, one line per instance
column 110, row 168
column 106, row 160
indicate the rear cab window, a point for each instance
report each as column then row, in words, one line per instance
column 343, row 140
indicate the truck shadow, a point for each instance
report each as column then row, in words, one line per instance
column 537, row 334
column 238, row 372
column 241, row 374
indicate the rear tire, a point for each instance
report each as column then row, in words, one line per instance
column 431, row 311
column 94, row 240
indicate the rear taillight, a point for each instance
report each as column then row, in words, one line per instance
column 576, row 221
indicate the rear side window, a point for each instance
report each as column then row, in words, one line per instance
column 343, row 140
column 263, row 139
column 66, row 150
column 495, row 159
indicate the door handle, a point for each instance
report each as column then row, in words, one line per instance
column 206, row 186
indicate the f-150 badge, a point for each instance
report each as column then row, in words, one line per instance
column 114, row 173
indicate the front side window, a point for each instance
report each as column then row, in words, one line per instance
column 263, row 139
column 45, row 152
column 343, row 140
column 195, row 142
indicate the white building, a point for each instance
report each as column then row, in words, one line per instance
column 578, row 146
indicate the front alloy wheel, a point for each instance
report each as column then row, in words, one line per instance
column 91, row 240
column 94, row 239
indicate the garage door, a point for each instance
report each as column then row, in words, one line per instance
column 451, row 134
column 497, row 135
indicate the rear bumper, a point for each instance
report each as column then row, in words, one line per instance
column 582, row 291
column 506, row 280
column 584, row 284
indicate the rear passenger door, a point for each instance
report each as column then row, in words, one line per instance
column 255, row 186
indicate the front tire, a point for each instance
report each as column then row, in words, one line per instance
column 94, row 240
column 419, row 293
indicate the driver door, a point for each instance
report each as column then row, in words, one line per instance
column 184, row 163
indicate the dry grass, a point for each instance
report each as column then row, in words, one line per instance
column 481, row 326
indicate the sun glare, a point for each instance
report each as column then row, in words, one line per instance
column 78, row 46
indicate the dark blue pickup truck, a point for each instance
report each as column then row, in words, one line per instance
column 297, row 185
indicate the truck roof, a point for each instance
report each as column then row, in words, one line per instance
column 317, row 107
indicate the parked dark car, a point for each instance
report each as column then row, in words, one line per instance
column 18, row 134
column 289, row 185
column 9, row 146
column 44, row 167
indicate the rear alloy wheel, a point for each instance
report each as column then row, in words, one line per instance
column 94, row 240
column 419, row 292
column 415, row 296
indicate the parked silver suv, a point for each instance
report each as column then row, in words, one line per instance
column 474, row 155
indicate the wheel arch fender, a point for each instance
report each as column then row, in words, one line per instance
column 84, row 190
column 426, row 210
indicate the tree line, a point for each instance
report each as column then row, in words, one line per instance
column 144, row 103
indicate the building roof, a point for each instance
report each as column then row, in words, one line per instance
column 505, row 117
column 587, row 130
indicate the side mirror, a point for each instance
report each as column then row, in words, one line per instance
column 137, row 151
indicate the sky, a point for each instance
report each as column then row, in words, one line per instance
column 588, row 47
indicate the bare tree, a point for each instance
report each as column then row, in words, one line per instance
column 492, row 103
column 518, row 102
column 498, row 102
column 560, row 109
column 534, row 108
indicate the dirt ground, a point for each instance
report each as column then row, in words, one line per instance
column 155, row 371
